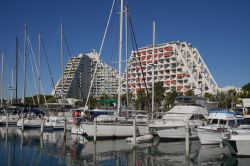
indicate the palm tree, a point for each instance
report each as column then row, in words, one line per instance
column 170, row 98
column 210, row 96
column 246, row 90
column 92, row 102
column 141, row 101
column 159, row 94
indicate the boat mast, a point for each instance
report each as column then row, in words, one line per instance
column 120, row 59
column 16, row 67
column 39, row 66
column 126, row 25
column 62, row 61
column 24, row 64
column 2, row 77
column 12, row 84
column 153, row 71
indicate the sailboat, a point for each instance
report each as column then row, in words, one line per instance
column 115, row 126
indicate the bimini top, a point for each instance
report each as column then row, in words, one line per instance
column 190, row 101
column 223, row 114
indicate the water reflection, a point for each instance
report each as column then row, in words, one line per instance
column 32, row 148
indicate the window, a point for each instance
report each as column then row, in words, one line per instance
column 214, row 121
column 223, row 122
column 197, row 117
column 231, row 122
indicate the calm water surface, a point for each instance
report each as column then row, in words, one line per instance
column 30, row 148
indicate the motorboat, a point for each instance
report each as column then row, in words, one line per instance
column 191, row 109
column 245, row 120
column 219, row 121
column 238, row 142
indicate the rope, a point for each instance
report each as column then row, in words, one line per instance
column 135, row 44
column 29, row 43
column 100, row 52
column 32, row 68
column 28, row 81
column 73, row 66
column 47, row 61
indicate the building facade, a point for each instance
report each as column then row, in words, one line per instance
column 78, row 75
column 178, row 65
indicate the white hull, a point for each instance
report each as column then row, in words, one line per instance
column 114, row 130
column 12, row 120
column 54, row 122
column 239, row 144
column 30, row 123
column 209, row 136
column 173, row 123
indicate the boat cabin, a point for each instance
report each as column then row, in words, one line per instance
column 190, row 100
column 222, row 117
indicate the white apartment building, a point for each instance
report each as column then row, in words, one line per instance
column 78, row 75
column 178, row 65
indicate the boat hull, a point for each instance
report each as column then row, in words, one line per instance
column 209, row 136
column 30, row 123
column 239, row 144
column 12, row 120
column 114, row 130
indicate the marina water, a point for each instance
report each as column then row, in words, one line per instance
column 32, row 148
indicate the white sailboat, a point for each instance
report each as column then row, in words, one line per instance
column 115, row 126
column 13, row 116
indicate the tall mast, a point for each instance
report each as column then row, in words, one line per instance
column 2, row 77
column 62, row 61
column 24, row 63
column 153, row 70
column 120, row 59
column 12, row 84
column 39, row 66
column 16, row 67
column 126, row 23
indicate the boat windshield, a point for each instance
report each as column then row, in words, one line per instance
column 190, row 100
column 238, row 111
column 232, row 123
column 243, row 121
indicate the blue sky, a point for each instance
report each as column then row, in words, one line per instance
column 219, row 29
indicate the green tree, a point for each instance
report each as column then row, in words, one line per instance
column 170, row 98
column 105, row 96
column 189, row 93
column 141, row 101
column 245, row 91
column 159, row 94
column 210, row 97
column 92, row 102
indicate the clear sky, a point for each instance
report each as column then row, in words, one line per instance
column 220, row 29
